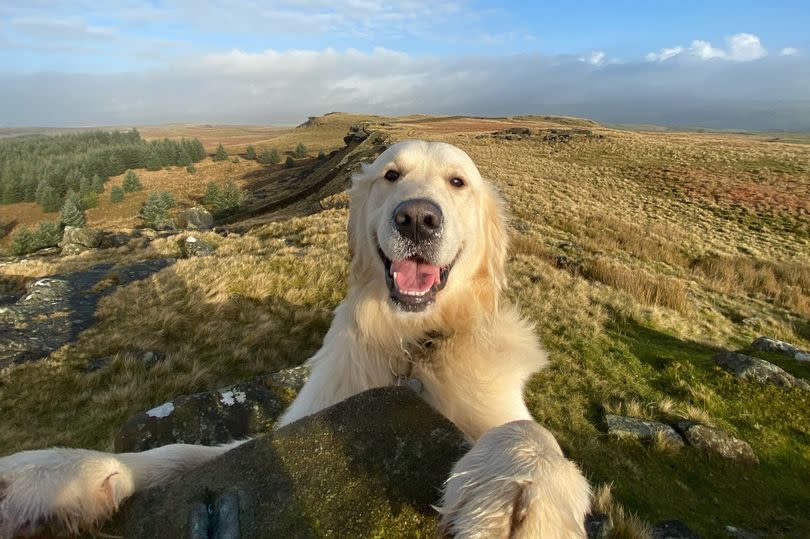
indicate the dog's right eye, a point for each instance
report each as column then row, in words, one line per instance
column 392, row 175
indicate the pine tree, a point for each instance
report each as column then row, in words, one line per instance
column 167, row 199
column 250, row 152
column 47, row 197
column 71, row 213
column 152, row 160
column 220, row 154
column 131, row 182
column 116, row 194
column 73, row 179
column 154, row 211
column 290, row 162
column 87, row 194
column 47, row 234
column 98, row 184
column 22, row 242
column 300, row 150
column 230, row 196
column 211, row 197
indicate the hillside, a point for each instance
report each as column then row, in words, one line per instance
column 638, row 255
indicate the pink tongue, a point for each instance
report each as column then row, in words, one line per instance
column 413, row 276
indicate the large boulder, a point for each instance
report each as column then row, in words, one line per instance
column 78, row 239
column 753, row 368
column 215, row 417
column 370, row 466
column 196, row 218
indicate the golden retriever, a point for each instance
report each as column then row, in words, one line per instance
column 428, row 242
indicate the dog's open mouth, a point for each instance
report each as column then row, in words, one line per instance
column 413, row 282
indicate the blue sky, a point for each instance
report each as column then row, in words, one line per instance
column 243, row 51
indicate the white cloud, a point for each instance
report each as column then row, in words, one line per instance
column 705, row 51
column 596, row 58
column 745, row 47
column 789, row 51
column 285, row 87
column 741, row 47
column 664, row 54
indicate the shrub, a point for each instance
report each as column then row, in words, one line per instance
column 155, row 210
column 220, row 154
column 131, row 182
column 290, row 162
column 250, row 152
column 270, row 157
column 71, row 213
column 300, row 150
column 47, row 234
column 116, row 194
column 224, row 198
column 22, row 241
column 191, row 169
column 321, row 156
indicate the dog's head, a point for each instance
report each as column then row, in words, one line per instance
column 425, row 226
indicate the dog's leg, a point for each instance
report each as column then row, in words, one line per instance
column 515, row 483
column 77, row 489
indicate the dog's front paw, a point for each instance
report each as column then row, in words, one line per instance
column 515, row 483
column 60, row 489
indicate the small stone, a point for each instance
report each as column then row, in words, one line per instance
column 192, row 246
column 739, row 533
column 747, row 367
column 718, row 442
column 630, row 427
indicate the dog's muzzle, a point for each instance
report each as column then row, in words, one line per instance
column 412, row 276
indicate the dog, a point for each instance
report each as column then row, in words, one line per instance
column 428, row 244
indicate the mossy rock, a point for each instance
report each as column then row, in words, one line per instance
column 370, row 466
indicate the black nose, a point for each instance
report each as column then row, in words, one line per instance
column 417, row 219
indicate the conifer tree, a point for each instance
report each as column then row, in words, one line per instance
column 131, row 182
column 22, row 241
column 250, row 152
column 87, row 194
column 116, row 194
column 98, row 184
column 211, row 197
column 71, row 213
column 154, row 211
column 220, row 154
column 47, row 234
column 47, row 197
column 300, row 150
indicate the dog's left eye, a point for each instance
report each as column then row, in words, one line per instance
column 392, row 175
column 456, row 182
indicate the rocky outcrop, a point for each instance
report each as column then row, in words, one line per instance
column 78, row 239
column 196, row 218
column 767, row 344
column 370, row 466
column 639, row 429
column 56, row 309
column 752, row 368
column 231, row 413
column 544, row 135
column 717, row 442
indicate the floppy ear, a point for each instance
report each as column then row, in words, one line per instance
column 496, row 239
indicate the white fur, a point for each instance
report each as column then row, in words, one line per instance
column 515, row 481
